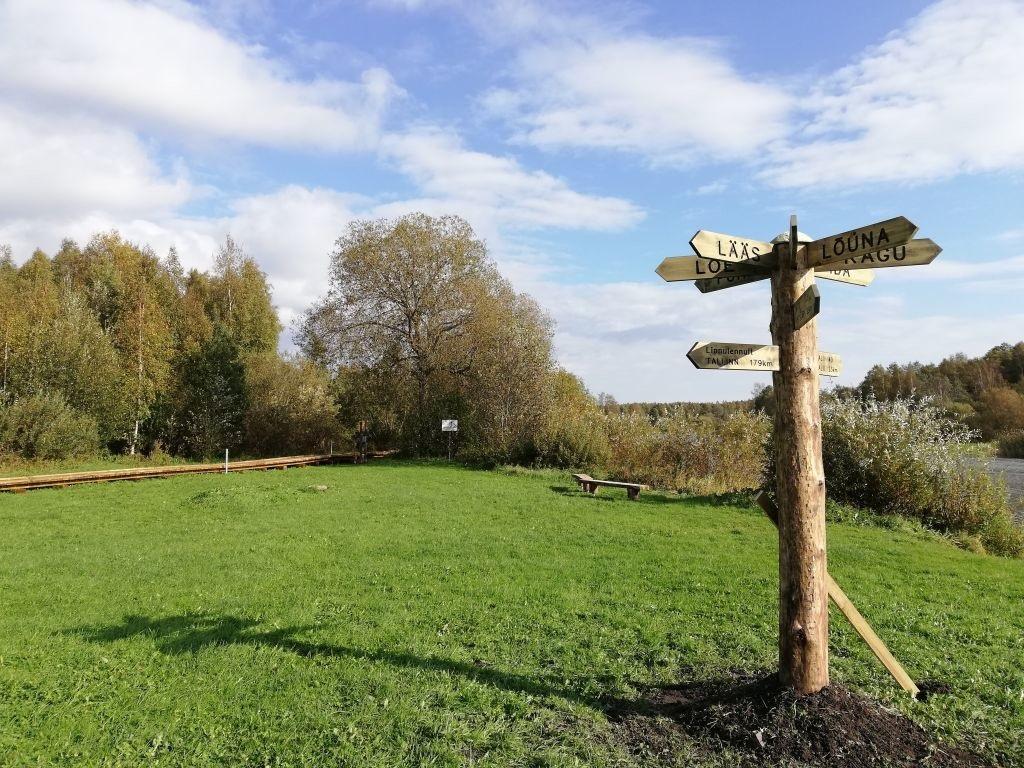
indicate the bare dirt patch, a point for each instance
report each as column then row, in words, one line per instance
column 766, row 724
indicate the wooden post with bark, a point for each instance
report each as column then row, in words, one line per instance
column 722, row 261
column 800, row 478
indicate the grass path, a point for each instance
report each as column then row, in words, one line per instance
column 431, row 615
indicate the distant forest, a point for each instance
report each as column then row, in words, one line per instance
column 986, row 393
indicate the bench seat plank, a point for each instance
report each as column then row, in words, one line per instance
column 590, row 485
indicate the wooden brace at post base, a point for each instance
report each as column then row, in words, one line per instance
column 850, row 611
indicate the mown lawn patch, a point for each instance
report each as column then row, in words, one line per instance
column 421, row 614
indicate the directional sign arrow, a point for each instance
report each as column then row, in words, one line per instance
column 806, row 307
column 730, row 356
column 855, row 242
column 729, row 281
column 858, row 277
column 912, row 254
column 715, row 245
column 675, row 268
column 745, row 275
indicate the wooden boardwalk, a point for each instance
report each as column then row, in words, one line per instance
column 30, row 482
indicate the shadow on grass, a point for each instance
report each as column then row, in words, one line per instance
column 656, row 498
column 576, row 493
column 190, row 633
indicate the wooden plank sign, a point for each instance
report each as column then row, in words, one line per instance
column 806, row 307
column 730, row 356
column 675, row 268
column 829, row 364
column 728, row 281
column 744, row 275
column 858, row 277
column 855, row 242
column 911, row 254
column 715, row 245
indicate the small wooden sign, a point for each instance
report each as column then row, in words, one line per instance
column 912, row 254
column 742, row 275
column 854, row 277
column 856, row 242
column 730, row 356
column 715, row 245
column 807, row 307
column 829, row 364
column 675, row 268
column 729, row 281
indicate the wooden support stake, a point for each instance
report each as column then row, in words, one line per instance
column 800, row 479
column 850, row 611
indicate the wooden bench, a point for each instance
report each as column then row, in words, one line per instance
column 590, row 485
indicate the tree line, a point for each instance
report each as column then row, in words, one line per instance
column 110, row 347
column 984, row 393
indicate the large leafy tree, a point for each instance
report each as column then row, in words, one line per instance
column 419, row 325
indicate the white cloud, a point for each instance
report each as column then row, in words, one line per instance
column 966, row 272
column 896, row 335
column 162, row 67
column 290, row 232
column 938, row 98
column 712, row 188
column 64, row 164
column 671, row 100
column 460, row 180
column 630, row 338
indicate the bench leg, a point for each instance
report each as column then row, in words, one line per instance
column 634, row 493
column 592, row 488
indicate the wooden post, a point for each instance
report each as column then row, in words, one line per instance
column 849, row 610
column 800, row 479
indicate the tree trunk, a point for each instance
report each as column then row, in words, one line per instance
column 800, row 483
column 422, row 434
column 138, row 391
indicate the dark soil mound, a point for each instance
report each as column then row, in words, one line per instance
column 769, row 725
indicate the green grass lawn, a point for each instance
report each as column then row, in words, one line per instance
column 431, row 615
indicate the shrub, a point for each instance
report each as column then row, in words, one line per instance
column 1011, row 445
column 44, row 426
column 906, row 458
column 290, row 408
column 573, row 434
column 696, row 454
column 1001, row 410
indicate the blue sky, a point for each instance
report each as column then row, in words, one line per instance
column 584, row 141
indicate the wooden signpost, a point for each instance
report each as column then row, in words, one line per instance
column 791, row 262
column 729, row 356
